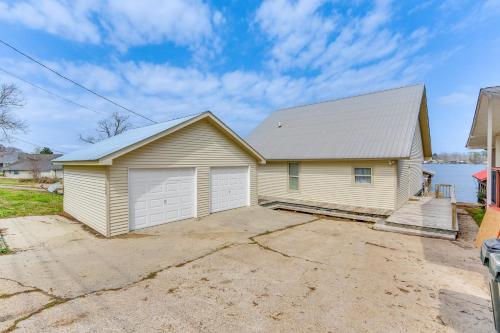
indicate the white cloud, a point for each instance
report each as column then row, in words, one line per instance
column 456, row 99
column 55, row 17
column 316, row 54
column 162, row 91
column 313, row 35
column 297, row 29
column 483, row 13
column 122, row 23
column 153, row 21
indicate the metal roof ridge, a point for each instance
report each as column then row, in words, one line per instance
column 351, row 96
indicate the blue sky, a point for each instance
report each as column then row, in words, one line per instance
column 244, row 59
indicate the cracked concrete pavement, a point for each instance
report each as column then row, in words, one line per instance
column 250, row 269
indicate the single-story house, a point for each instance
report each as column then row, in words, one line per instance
column 361, row 153
column 179, row 169
column 7, row 157
column 29, row 166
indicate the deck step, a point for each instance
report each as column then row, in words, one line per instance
column 414, row 231
column 324, row 211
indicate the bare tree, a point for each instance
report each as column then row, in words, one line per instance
column 35, row 167
column 107, row 128
column 10, row 97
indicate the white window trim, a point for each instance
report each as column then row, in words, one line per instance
column 362, row 167
column 289, row 176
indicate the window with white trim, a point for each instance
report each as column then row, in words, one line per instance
column 363, row 175
column 293, row 176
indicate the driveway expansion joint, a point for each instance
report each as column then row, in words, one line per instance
column 253, row 240
column 56, row 300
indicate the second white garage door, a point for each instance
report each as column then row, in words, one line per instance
column 161, row 195
column 228, row 188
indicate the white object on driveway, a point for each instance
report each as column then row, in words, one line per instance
column 54, row 187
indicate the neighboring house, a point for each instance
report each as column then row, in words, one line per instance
column 32, row 165
column 8, row 157
column 361, row 154
column 184, row 168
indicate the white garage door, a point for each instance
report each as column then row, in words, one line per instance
column 160, row 195
column 228, row 188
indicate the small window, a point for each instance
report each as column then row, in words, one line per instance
column 16, row 172
column 293, row 176
column 363, row 175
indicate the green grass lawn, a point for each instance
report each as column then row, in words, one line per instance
column 25, row 203
column 477, row 214
column 15, row 182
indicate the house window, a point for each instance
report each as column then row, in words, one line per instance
column 363, row 175
column 16, row 172
column 293, row 176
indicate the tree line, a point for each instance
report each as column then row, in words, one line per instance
column 474, row 157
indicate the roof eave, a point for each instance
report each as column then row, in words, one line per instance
column 333, row 159
column 87, row 162
column 425, row 130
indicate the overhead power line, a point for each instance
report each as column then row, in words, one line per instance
column 50, row 92
column 74, row 82
column 36, row 145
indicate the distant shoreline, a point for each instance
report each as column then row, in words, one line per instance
column 457, row 163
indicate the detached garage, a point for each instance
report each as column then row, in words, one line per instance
column 180, row 169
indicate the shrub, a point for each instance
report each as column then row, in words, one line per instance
column 4, row 250
column 41, row 180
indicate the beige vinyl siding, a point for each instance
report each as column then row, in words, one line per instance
column 200, row 145
column 410, row 176
column 85, row 195
column 331, row 182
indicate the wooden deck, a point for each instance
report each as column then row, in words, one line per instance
column 425, row 212
column 423, row 216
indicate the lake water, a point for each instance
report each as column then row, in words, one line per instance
column 460, row 175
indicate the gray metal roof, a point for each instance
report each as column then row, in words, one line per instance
column 43, row 162
column 370, row 126
column 106, row 147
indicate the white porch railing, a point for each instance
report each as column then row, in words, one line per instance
column 448, row 191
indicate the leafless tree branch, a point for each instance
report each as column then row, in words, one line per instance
column 107, row 128
column 35, row 167
column 10, row 97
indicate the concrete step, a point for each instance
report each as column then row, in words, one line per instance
column 422, row 232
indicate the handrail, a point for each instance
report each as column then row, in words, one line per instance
column 453, row 200
column 448, row 191
column 444, row 190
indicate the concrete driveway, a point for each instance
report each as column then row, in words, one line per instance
column 250, row 269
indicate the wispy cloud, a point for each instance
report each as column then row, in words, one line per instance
column 55, row 17
column 314, row 51
column 456, row 99
column 314, row 35
column 483, row 12
column 122, row 23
